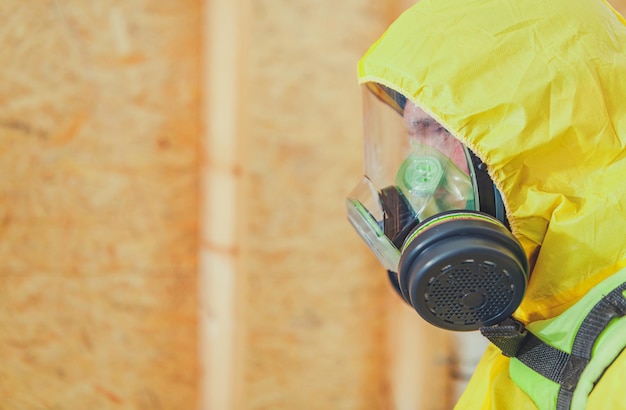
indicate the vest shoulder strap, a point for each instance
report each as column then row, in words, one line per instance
column 563, row 366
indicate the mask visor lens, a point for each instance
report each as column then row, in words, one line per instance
column 368, row 222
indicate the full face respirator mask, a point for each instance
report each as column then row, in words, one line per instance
column 432, row 216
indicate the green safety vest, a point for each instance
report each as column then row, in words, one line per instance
column 558, row 361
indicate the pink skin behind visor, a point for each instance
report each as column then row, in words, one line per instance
column 424, row 128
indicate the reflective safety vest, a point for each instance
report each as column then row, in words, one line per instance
column 558, row 361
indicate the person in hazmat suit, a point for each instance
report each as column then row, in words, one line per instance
column 495, row 189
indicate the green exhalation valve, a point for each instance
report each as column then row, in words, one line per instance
column 420, row 175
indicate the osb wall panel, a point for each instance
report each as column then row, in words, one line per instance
column 98, row 204
column 314, row 312
column 620, row 6
column 318, row 307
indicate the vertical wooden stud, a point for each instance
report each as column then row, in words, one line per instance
column 220, row 287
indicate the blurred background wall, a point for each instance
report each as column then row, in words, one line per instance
column 99, row 152
column 172, row 225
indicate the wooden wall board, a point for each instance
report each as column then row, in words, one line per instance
column 99, row 134
column 314, row 313
column 620, row 6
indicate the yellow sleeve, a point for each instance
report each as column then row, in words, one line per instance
column 491, row 388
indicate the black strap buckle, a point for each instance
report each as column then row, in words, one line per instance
column 507, row 335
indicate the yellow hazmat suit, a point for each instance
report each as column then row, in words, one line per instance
column 537, row 89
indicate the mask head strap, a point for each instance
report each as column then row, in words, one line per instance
column 489, row 197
